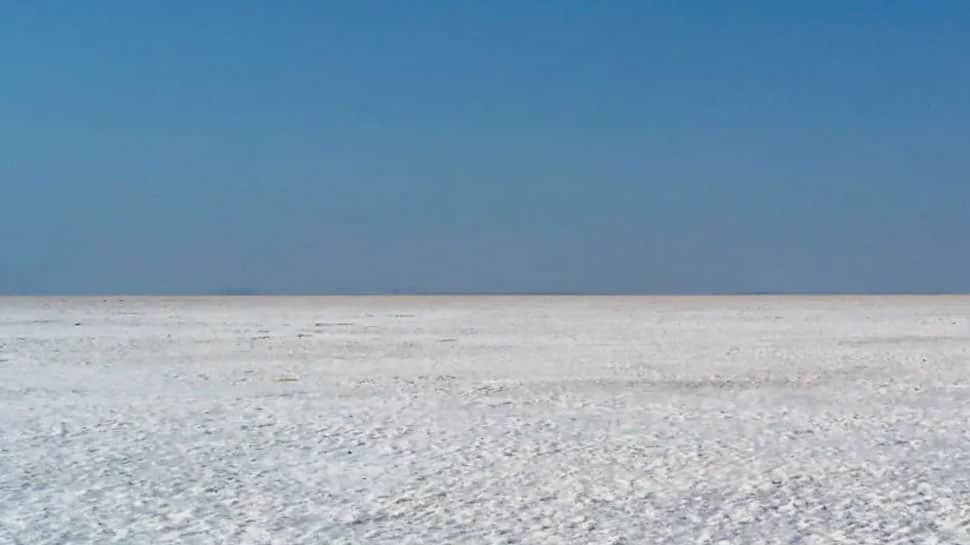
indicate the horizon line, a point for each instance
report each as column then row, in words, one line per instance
column 255, row 293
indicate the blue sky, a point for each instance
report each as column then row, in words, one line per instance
column 613, row 147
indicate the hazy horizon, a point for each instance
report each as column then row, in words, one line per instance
column 286, row 295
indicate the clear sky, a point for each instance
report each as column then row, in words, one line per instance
column 506, row 146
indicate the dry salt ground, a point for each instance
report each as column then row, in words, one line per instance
column 485, row 420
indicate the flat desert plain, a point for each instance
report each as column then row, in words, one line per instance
column 537, row 420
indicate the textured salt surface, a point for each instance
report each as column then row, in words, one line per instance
column 485, row 420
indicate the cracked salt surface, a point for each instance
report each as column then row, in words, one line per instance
column 485, row 420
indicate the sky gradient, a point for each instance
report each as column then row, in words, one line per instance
column 364, row 147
